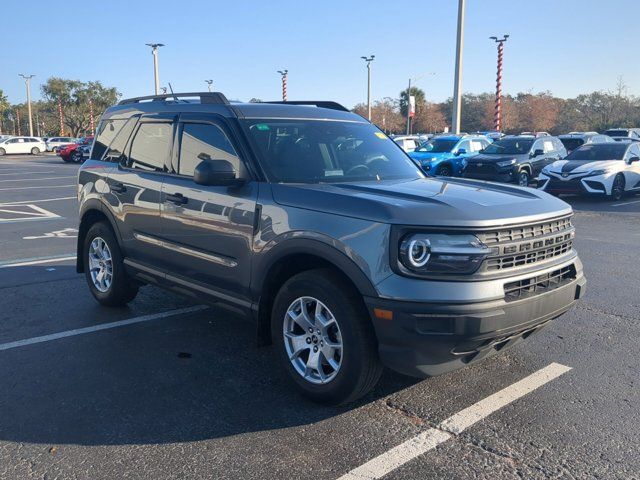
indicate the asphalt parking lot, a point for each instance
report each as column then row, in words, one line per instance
column 167, row 389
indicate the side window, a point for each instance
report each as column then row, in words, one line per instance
column 200, row 141
column 476, row 146
column 548, row 146
column 150, row 147
column 537, row 145
column 115, row 151
column 107, row 131
column 464, row 145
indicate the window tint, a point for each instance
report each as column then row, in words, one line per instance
column 107, row 131
column 200, row 141
column 599, row 151
column 511, row 146
column 150, row 146
column 116, row 149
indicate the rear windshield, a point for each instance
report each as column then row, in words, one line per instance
column 315, row 151
column 599, row 151
column 617, row 133
column 510, row 146
column 571, row 143
column 437, row 146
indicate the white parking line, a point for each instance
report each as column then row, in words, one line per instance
column 452, row 426
column 6, row 204
column 97, row 328
column 37, row 179
column 23, row 262
column 30, row 188
column 625, row 203
column 22, row 172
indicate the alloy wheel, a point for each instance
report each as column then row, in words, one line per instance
column 100, row 265
column 523, row 179
column 617, row 190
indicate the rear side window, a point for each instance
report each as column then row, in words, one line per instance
column 201, row 141
column 150, row 147
column 107, row 131
column 116, row 149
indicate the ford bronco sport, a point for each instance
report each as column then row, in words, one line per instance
column 313, row 222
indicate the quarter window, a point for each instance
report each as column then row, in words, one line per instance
column 150, row 146
column 202, row 141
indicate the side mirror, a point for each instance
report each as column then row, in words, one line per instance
column 461, row 151
column 214, row 173
column 537, row 152
column 633, row 159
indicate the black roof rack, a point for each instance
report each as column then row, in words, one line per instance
column 318, row 103
column 205, row 97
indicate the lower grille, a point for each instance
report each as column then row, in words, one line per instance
column 539, row 284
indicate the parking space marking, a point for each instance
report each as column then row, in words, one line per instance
column 454, row 425
column 37, row 179
column 64, row 233
column 26, row 212
column 625, row 203
column 31, row 188
column 97, row 328
column 22, row 172
column 23, row 262
column 37, row 201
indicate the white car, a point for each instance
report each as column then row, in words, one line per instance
column 32, row 145
column 610, row 169
column 55, row 142
column 407, row 142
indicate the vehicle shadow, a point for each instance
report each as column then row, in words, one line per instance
column 185, row 378
column 600, row 204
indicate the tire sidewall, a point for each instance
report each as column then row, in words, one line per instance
column 618, row 179
column 444, row 171
column 35, row 151
column 352, row 347
column 520, row 174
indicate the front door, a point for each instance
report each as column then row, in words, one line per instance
column 209, row 229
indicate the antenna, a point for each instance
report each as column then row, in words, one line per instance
column 174, row 95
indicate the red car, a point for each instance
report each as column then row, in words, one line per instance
column 69, row 154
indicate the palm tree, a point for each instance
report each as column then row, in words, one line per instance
column 4, row 105
column 404, row 100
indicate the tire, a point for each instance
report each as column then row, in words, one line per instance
column 617, row 189
column 444, row 171
column 76, row 157
column 66, row 160
column 3, row 152
column 120, row 290
column 524, row 179
column 35, row 151
column 358, row 366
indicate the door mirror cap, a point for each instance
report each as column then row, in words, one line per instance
column 633, row 159
column 214, row 172
column 537, row 152
column 461, row 151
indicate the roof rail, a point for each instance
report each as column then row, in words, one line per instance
column 205, row 97
column 318, row 103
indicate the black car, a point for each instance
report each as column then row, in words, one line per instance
column 312, row 222
column 515, row 159
column 624, row 134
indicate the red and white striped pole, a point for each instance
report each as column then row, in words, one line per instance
column 61, row 117
column 497, row 114
column 18, row 120
column 93, row 130
column 283, row 74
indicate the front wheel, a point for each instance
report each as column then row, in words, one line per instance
column 35, row 151
column 3, row 152
column 325, row 338
column 443, row 171
column 523, row 178
column 617, row 189
column 76, row 157
column 104, row 268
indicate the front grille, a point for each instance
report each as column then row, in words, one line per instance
column 525, row 245
column 539, row 284
column 481, row 168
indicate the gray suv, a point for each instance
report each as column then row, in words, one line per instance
column 311, row 221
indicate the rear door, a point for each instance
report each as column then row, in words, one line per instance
column 632, row 171
column 209, row 229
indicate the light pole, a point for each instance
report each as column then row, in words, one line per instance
column 27, row 81
column 457, row 85
column 154, row 52
column 209, row 84
column 415, row 79
column 284, row 74
column 368, row 60
column 497, row 114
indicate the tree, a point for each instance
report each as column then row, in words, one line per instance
column 74, row 96
column 404, row 100
column 4, row 106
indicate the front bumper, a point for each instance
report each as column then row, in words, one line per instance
column 503, row 175
column 581, row 185
column 431, row 338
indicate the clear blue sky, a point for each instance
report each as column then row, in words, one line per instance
column 565, row 46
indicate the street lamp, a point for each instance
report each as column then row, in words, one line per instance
column 497, row 114
column 414, row 79
column 27, row 81
column 154, row 52
column 284, row 74
column 368, row 60
column 209, row 84
column 457, row 85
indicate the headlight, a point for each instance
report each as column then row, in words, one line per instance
column 442, row 254
column 598, row 172
column 506, row 163
column 546, row 170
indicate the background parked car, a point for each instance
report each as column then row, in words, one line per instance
column 619, row 134
column 68, row 153
column 447, row 155
column 407, row 142
column 573, row 140
column 13, row 145
column 610, row 169
column 56, row 142
column 516, row 159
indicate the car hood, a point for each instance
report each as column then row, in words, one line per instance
column 427, row 201
column 582, row 166
column 428, row 156
column 484, row 158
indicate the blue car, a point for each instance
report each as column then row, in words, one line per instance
column 446, row 155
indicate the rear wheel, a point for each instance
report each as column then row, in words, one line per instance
column 2, row 152
column 443, row 171
column 35, row 151
column 325, row 337
column 76, row 156
column 104, row 268
column 524, row 178
column 617, row 189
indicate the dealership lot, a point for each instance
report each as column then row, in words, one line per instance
column 166, row 389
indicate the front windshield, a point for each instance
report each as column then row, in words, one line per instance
column 509, row 146
column 437, row 145
column 617, row 133
column 599, row 151
column 316, row 151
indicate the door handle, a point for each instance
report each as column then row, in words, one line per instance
column 177, row 198
column 118, row 188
